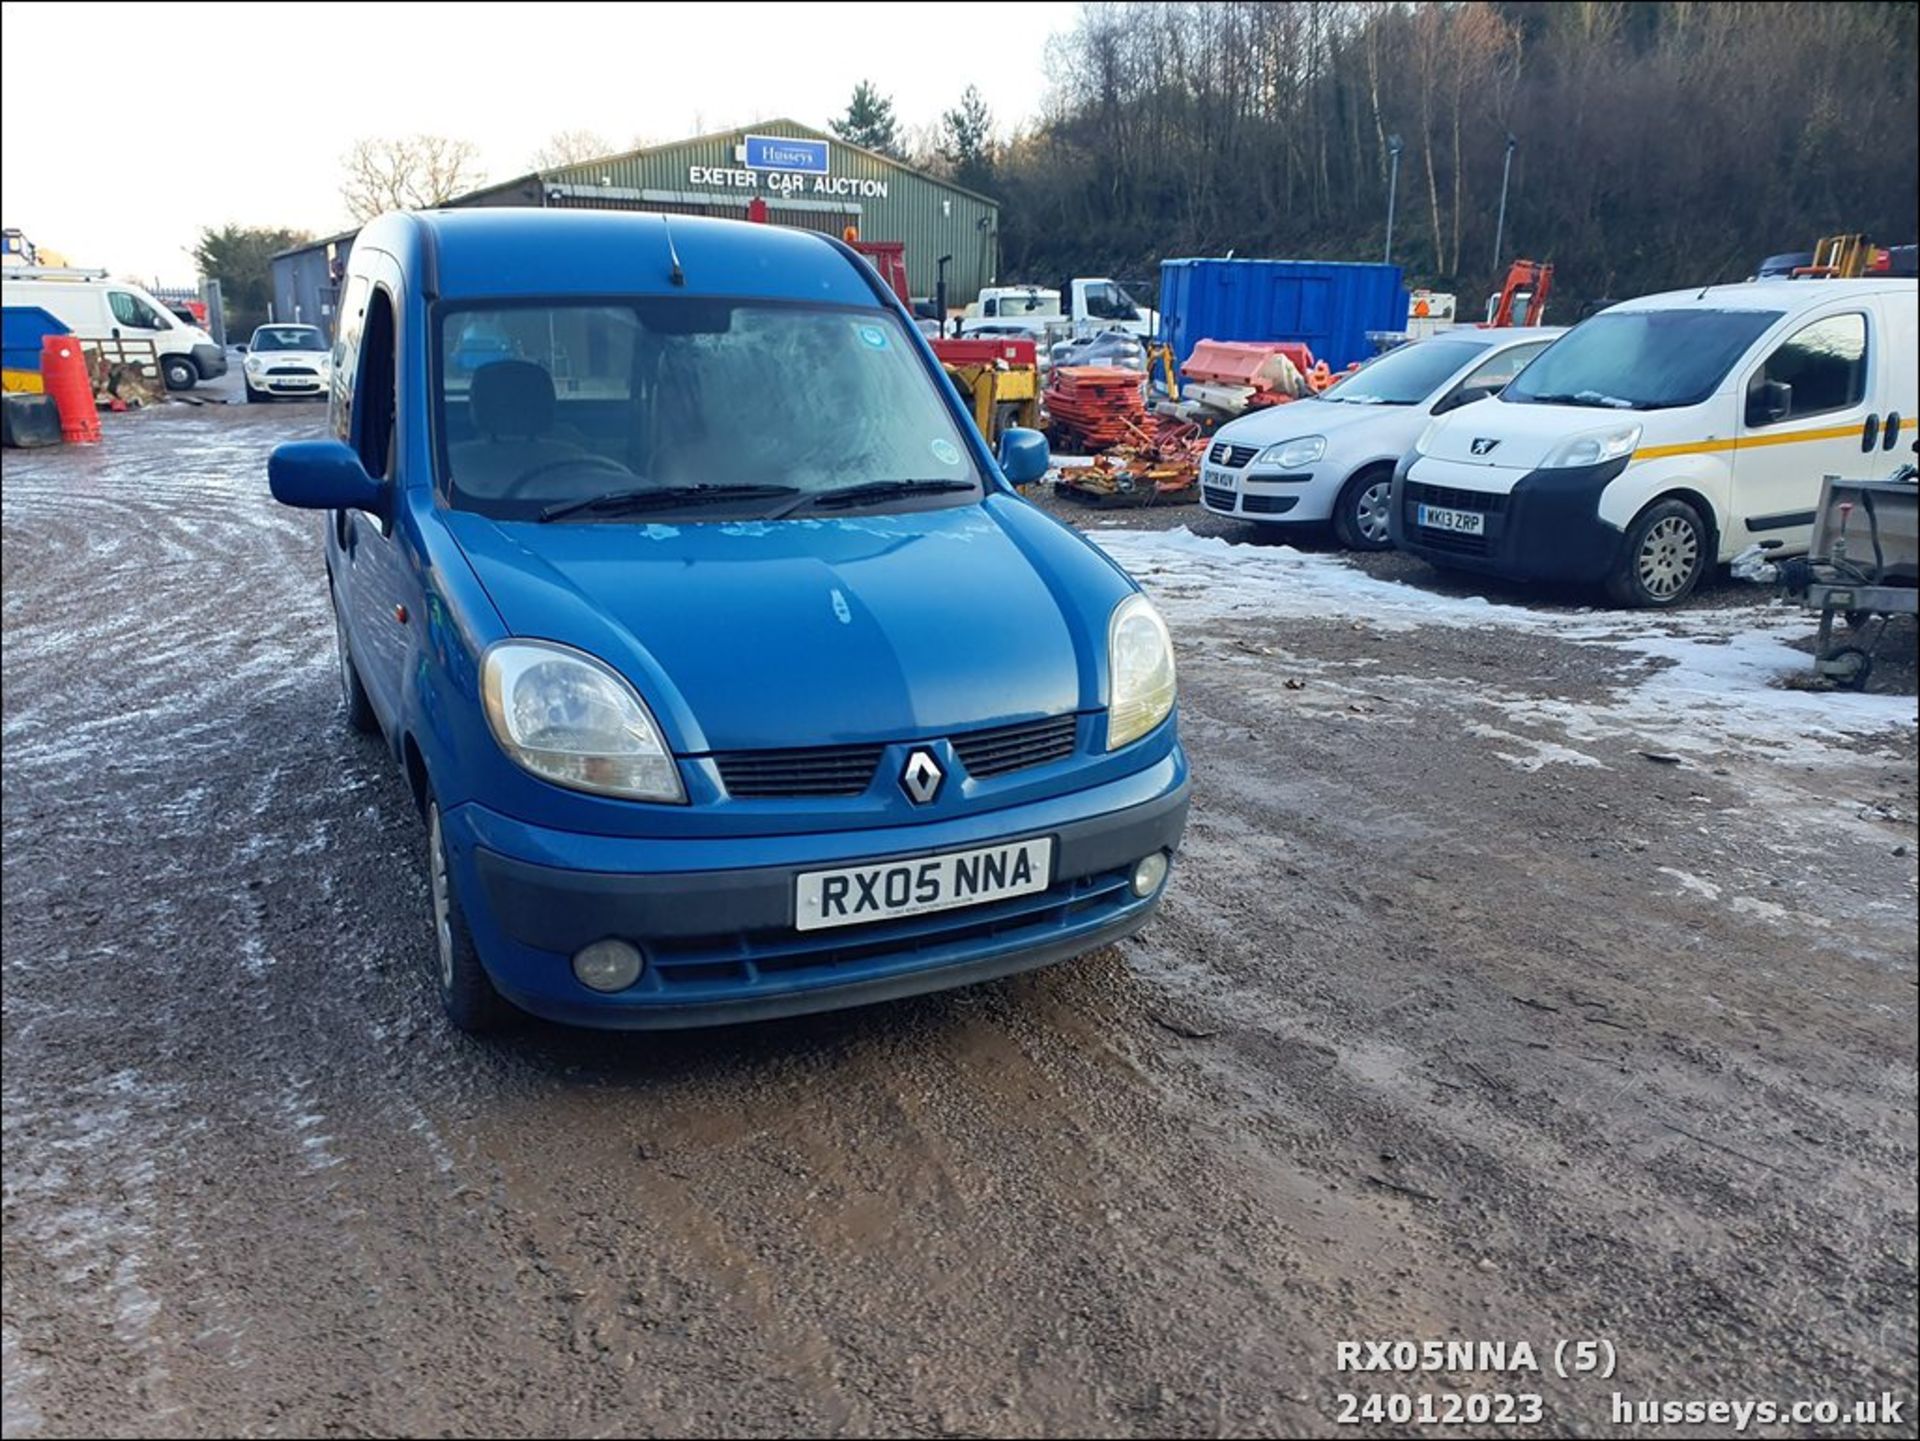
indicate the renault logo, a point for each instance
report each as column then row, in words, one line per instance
column 1484, row 445
column 921, row 778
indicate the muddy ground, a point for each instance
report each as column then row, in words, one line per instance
column 1465, row 1019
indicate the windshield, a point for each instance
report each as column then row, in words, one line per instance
column 1034, row 302
column 1640, row 359
column 546, row 404
column 287, row 337
column 1406, row 375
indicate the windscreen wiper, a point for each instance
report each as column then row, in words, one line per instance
column 847, row 495
column 1587, row 399
column 662, row 497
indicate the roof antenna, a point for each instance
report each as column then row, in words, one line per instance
column 676, row 275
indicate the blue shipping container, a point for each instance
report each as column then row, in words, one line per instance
column 1329, row 304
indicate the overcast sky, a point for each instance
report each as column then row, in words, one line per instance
column 251, row 106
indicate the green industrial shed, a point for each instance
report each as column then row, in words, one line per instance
column 776, row 170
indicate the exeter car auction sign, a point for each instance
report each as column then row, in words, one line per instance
column 784, row 166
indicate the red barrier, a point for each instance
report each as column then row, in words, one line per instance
column 63, row 372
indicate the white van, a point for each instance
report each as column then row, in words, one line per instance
column 95, row 308
column 1667, row 434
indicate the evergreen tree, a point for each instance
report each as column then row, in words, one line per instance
column 966, row 141
column 869, row 121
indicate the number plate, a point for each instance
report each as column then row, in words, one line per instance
column 1220, row 479
column 854, row 895
column 1465, row 522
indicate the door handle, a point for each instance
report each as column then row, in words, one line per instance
column 1890, row 432
column 1870, row 433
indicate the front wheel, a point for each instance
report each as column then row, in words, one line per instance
column 466, row 991
column 1360, row 515
column 180, row 372
column 1663, row 559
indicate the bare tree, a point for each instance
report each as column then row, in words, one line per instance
column 414, row 173
column 571, row 147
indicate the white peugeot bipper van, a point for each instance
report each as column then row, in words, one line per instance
column 97, row 309
column 1665, row 435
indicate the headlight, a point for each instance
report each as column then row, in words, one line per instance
column 1593, row 448
column 1139, row 671
column 1291, row 453
column 1425, row 442
column 570, row 720
column 253, row 362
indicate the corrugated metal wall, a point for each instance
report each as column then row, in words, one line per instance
column 933, row 219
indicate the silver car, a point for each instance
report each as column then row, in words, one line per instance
column 1331, row 458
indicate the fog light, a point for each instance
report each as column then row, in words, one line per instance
column 607, row 965
column 1148, row 872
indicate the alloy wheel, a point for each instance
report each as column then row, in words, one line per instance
column 1668, row 557
column 1370, row 514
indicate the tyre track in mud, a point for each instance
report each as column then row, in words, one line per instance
column 254, row 1184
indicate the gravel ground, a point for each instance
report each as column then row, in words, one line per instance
column 1464, row 1019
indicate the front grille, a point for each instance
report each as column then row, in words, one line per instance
column 820, row 771
column 306, row 370
column 1217, row 498
column 1427, row 538
column 1231, row 456
column 1268, row 504
column 720, row 967
column 1013, row 748
column 1485, row 501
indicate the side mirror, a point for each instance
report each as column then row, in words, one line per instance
column 324, row 475
column 1024, row 456
column 1769, row 401
column 241, row 348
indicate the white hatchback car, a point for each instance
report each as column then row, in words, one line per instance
column 1331, row 458
column 288, row 360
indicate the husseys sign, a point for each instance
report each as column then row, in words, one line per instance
column 783, row 166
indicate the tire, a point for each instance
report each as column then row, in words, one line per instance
column 1663, row 559
column 255, row 397
column 180, row 372
column 353, row 695
column 1360, row 514
column 466, row 991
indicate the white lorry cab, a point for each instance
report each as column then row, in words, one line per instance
column 1087, row 307
column 97, row 310
column 1665, row 435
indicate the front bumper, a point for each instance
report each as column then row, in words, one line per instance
column 1268, row 495
column 288, row 384
column 719, row 935
column 210, row 361
column 1546, row 528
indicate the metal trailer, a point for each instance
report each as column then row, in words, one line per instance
column 1863, row 564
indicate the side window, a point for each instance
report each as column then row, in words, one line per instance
column 1495, row 374
column 373, row 397
column 1109, row 302
column 991, row 307
column 1821, row 367
column 346, row 357
column 132, row 310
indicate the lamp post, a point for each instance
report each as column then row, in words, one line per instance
column 1500, row 230
column 1393, row 186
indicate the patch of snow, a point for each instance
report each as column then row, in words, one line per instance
column 1693, row 883
column 1702, row 680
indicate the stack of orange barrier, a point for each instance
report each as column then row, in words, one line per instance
column 1096, row 406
